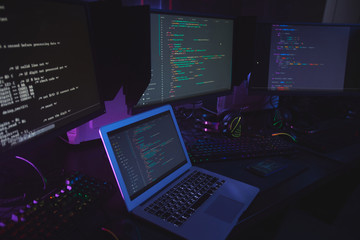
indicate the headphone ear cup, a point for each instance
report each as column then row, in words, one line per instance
column 231, row 124
column 223, row 121
column 281, row 118
column 277, row 121
column 235, row 127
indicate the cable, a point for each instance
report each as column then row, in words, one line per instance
column 236, row 131
column 31, row 164
column 208, row 110
column 286, row 134
column 4, row 212
column 64, row 140
column 110, row 232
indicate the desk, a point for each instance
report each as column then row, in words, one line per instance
column 306, row 173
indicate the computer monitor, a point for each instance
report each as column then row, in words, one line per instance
column 191, row 56
column 306, row 58
column 47, row 74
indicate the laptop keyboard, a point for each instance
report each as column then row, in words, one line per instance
column 181, row 201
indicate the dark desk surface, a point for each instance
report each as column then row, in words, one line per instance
column 307, row 171
column 305, row 174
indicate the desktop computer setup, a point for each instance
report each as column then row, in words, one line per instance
column 313, row 68
column 52, row 80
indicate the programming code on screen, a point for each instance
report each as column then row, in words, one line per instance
column 46, row 69
column 307, row 57
column 190, row 56
column 145, row 154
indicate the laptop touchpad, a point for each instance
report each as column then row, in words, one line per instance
column 224, row 208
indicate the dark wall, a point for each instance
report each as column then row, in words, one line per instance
column 286, row 10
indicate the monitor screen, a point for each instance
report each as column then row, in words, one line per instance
column 306, row 58
column 191, row 56
column 47, row 75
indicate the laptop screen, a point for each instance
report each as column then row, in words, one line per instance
column 147, row 151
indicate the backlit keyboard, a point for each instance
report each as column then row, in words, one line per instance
column 224, row 148
column 58, row 214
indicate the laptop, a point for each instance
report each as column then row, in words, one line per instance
column 158, row 182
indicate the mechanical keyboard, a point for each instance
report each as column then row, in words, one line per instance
column 57, row 214
column 225, row 148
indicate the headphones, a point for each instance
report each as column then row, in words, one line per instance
column 231, row 124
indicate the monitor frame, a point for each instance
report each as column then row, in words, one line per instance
column 43, row 139
column 262, row 54
column 201, row 96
